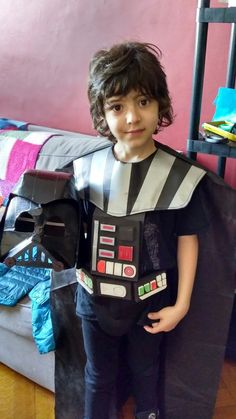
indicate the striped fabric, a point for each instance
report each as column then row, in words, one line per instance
column 19, row 151
column 161, row 181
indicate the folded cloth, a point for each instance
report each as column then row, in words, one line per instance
column 18, row 152
column 18, row 281
column 225, row 103
column 12, row 124
column 22, row 157
column 6, row 145
column 41, row 317
column 24, row 153
column 5, row 189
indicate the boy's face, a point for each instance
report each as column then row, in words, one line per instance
column 132, row 119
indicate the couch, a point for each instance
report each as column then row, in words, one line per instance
column 17, row 347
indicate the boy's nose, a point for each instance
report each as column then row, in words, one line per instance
column 132, row 116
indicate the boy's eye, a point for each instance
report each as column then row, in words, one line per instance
column 116, row 108
column 144, row 101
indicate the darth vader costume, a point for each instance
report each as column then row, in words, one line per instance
column 193, row 353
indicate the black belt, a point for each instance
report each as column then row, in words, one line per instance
column 137, row 291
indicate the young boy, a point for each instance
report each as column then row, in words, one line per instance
column 135, row 184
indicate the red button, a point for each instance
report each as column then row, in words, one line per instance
column 103, row 253
column 125, row 253
column 81, row 275
column 101, row 266
column 108, row 227
column 153, row 284
column 107, row 240
column 129, row 271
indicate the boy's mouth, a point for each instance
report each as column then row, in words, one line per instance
column 135, row 131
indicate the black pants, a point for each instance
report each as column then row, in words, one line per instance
column 142, row 355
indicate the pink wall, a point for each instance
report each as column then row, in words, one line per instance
column 46, row 47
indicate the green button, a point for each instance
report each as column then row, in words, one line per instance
column 140, row 290
column 147, row 287
column 90, row 283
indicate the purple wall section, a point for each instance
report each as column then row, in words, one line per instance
column 46, row 46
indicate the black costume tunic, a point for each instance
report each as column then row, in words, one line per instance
column 122, row 189
column 158, row 253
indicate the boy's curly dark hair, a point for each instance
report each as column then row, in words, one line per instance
column 125, row 67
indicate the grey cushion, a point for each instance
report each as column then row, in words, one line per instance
column 61, row 150
column 17, row 319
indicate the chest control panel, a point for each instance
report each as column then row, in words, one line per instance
column 116, row 246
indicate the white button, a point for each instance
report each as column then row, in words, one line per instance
column 112, row 289
column 118, row 269
column 109, row 268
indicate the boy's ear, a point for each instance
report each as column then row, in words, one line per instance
column 158, row 124
column 103, row 128
column 101, row 120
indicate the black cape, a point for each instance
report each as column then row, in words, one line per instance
column 193, row 353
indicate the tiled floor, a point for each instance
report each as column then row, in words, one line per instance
column 36, row 402
column 226, row 399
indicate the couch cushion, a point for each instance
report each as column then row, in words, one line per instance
column 21, row 354
column 17, row 319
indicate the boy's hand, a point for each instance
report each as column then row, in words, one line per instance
column 165, row 319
